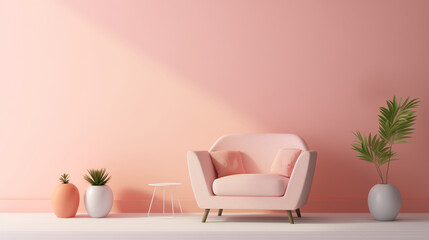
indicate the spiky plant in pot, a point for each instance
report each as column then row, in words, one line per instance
column 65, row 178
column 395, row 126
column 65, row 198
column 98, row 196
column 97, row 177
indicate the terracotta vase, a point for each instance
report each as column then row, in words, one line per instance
column 65, row 200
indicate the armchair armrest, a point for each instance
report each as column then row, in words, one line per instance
column 202, row 174
column 301, row 179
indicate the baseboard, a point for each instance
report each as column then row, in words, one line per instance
column 314, row 205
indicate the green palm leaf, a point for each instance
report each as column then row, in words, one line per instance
column 372, row 148
column 397, row 119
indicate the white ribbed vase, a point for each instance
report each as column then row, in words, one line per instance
column 384, row 202
column 98, row 200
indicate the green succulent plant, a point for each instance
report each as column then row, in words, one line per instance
column 65, row 178
column 97, row 177
column 395, row 125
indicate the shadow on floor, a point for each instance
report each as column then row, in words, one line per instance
column 279, row 218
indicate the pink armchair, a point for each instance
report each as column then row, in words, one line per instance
column 264, row 190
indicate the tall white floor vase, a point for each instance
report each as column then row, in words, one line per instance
column 98, row 200
column 384, row 202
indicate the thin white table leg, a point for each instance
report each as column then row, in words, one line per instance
column 163, row 201
column 151, row 201
column 172, row 200
column 178, row 199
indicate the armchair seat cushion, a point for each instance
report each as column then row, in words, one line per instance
column 267, row 185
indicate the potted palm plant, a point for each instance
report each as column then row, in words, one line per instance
column 65, row 198
column 395, row 126
column 98, row 196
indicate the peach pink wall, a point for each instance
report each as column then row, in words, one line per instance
column 132, row 85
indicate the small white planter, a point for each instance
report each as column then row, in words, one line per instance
column 384, row 202
column 98, row 200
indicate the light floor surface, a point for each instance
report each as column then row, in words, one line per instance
column 228, row 226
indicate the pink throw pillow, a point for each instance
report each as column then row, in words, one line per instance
column 285, row 161
column 227, row 162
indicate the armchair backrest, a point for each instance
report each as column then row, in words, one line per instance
column 259, row 150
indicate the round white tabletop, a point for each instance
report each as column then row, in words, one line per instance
column 164, row 184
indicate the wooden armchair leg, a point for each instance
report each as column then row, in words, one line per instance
column 219, row 213
column 289, row 214
column 298, row 212
column 206, row 214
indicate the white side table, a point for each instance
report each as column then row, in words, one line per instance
column 164, row 185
